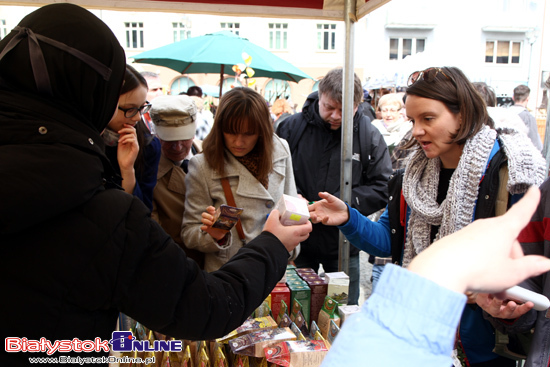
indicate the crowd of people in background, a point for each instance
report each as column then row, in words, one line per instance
column 426, row 162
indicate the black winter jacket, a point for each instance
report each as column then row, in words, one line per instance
column 316, row 159
column 74, row 254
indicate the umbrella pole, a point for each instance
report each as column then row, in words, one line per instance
column 221, row 80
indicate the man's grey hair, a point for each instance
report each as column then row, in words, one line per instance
column 331, row 85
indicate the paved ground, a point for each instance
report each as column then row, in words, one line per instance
column 365, row 283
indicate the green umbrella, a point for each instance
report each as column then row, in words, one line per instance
column 218, row 52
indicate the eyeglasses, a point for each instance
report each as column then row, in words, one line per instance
column 131, row 112
column 428, row 75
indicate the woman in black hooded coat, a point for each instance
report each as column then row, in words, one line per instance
column 74, row 254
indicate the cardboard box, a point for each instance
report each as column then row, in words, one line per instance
column 306, row 353
column 253, row 344
column 338, row 286
column 293, row 210
column 303, row 294
column 280, row 292
column 226, row 217
column 319, row 290
column 305, row 271
column 327, row 314
column 345, row 311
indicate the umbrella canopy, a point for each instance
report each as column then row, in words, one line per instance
column 217, row 53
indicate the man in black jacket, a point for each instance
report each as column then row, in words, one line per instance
column 314, row 137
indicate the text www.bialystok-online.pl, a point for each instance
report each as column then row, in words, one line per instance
column 91, row 360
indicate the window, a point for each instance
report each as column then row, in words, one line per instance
column 181, row 85
column 275, row 89
column 134, row 34
column 502, row 52
column 3, row 29
column 181, row 31
column 278, row 36
column 326, row 37
column 403, row 47
column 233, row 27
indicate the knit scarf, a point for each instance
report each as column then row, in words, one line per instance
column 252, row 163
column 420, row 182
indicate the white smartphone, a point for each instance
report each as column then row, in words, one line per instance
column 522, row 295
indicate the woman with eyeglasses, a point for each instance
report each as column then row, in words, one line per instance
column 392, row 125
column 463, row 170
column 133, row 151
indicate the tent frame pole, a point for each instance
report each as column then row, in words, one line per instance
column 347, row 125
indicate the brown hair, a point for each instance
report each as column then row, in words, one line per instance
column 521, row 93
column 331, row 85
column 451, row 87
column 241, row 110
column 487, row 93
column 133, row 80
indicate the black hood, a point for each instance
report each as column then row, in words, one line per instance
column 51, row 153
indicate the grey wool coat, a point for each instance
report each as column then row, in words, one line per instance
column 204, row 188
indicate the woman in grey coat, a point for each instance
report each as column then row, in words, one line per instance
column 257, row 164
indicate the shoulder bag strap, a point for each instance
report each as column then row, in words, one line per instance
column 231, row 201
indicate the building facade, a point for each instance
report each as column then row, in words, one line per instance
column 501, row 42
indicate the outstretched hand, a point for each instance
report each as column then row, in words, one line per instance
column 290, row 236
column 502, row 309
column 330, row 211
column 485, row 256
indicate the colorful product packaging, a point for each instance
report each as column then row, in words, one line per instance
column 249, row 326
column 301, row 293
column 293, row 210
column 253, row 344
column 226, row 217
column 305, row 353
column 279, row 294
column 284, row 320
column 338, row 286
column 319, row 289
column 333, row 331
column 328, row 312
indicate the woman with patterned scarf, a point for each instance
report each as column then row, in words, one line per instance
column 463, row 169
column 242, row 150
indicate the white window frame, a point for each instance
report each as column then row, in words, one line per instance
column 3, row 29
column 510, row 51
column 279, row 30
column 134, row 35
column 414, row 42
column 324, row 31
column 181, row 31
column 234, row 27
